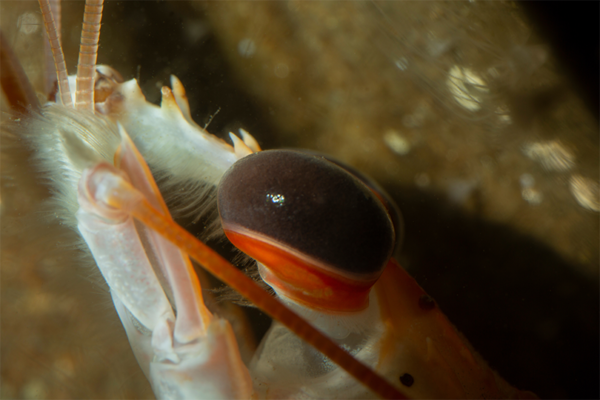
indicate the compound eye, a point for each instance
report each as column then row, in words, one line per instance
column 322, row 235
column 387, row 201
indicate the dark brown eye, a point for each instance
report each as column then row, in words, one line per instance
column 287, row 208
column 382, row 195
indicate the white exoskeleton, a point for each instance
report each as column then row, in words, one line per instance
column 371, row 329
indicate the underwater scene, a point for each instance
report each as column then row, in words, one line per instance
column 470, row 115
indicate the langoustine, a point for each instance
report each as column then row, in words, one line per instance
column 126, row 105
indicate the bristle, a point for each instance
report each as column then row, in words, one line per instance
column 190, row 199
column 66, row 142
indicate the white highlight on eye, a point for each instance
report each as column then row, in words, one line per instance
column 396, row 142
column 586, row 191
column 246, row 47
column 282, row 70
column 553, row 155
column 277, row 199
column 28, row 23
column 465, row 85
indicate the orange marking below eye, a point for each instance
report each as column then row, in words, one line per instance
column 303, row 281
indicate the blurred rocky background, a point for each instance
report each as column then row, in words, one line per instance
column 466, row 112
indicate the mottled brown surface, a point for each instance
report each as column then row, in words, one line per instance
column 343, row 92
column 517, row 277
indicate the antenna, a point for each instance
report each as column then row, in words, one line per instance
column 88, row 53
column 57, row 53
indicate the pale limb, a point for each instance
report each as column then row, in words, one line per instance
column 169, row 138
column 190, row 355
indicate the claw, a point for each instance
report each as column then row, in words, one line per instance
column 250, row 141
column 181, row 99
column 241, row 149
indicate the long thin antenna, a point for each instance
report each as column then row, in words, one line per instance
column 57, row 53
column 88, row 53
column 49, row 68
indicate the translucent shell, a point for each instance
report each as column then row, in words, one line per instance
column 322, row 234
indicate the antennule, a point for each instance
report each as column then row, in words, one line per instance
column 88, row 52
column 49, row 68
column 57, row 53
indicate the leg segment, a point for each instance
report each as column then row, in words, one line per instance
column 184, row 350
